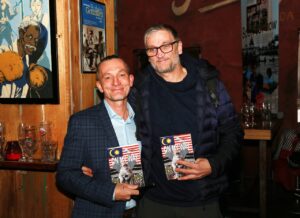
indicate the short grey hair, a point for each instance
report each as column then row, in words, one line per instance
column 28, row 22
column 157, row 27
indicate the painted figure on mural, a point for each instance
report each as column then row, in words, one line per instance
column 34, row 80
column 39, row 16
column 33, row 39
column 37, row 12
column 6, row 14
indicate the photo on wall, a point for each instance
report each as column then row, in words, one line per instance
column 93, row 35
column 28, row 69
column 260, row 47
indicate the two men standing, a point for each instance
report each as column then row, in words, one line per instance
column 172, row 98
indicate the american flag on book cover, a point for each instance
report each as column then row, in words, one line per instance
column 125, row 164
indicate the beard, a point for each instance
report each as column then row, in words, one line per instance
column 166, row 69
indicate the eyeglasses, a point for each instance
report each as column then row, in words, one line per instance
column 166, row 48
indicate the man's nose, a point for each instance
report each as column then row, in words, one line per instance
column 160, row 53
column 116, row 81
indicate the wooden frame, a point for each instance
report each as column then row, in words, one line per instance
column 298, row 80
column 28, row 55
column 93, row 34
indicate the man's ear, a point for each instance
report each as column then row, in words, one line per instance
column 99, row 86
column 131, row 78
column 180, row 47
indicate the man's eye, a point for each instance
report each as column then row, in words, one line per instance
column 151, row 50
column 28, row 37
column 165, row 47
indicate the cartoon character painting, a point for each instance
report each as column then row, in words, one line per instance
column 25, row 69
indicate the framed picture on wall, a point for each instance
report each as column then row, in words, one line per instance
column 298, row 98
column 28, row 57
column 93, row 34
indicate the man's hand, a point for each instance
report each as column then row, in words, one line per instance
column 197, row 170
column 87, row 171
column 123, row 192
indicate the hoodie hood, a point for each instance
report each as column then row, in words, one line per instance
column 206, row 70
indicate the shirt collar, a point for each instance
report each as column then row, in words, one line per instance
column 113, row 115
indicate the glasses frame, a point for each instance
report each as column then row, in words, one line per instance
column 159, row 48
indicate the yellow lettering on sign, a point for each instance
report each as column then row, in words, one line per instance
column 180, row 10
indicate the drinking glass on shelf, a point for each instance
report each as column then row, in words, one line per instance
column 21, row 139
column 252, row 115
column 30, row 141
column 13, row 151
column 2, row 140
column 245, row 110
column 266, row 115
column 49, row 150
column 45, row 131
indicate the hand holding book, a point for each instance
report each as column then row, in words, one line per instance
column 192, row 171
column 125, row 165
column 124, row 192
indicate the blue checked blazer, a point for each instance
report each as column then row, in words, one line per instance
column 89, row 134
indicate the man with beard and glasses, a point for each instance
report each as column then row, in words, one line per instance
column 174, row 99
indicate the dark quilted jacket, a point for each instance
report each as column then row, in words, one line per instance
column 219, row 131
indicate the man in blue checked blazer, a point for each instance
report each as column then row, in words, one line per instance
column 90, row 133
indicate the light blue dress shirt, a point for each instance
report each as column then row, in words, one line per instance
column 125, row 131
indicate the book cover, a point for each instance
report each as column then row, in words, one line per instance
column 173, row 148
column 125, row 165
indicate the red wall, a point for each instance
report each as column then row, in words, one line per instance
column 218, row 32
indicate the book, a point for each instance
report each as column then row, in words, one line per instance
column 173, row 148
column 125, row 165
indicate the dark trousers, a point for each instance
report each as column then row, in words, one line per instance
column 131, row 213
column 150, row 209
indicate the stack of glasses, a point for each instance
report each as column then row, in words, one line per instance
column 48, row 145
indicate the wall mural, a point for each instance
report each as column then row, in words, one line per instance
column 28, row 71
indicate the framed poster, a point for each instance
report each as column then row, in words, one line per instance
column 260, row 49
column 93, row 35
column 28, row 69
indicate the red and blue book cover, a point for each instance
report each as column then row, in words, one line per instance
column 174, row 148
column 125, row 165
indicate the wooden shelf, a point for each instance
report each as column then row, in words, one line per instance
column 36, row 165
column 259, row 132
